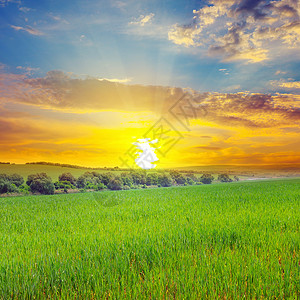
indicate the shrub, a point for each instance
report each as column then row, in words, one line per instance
column 67, row 177
column 126, row 187
column 151, row 179
column 63, row 185
column 190, row 181
column 165, row 180
column 224, row 178
column 100, row 186
column 106, row 177
column 206, row 178
column 192, row 176
column 138, row 177
column 7, row 187
column 235, row 178
column 93, row 178
column 16, row 179
column 115, row 184
column 24, row 189
column 41, row 183
column 126, row 179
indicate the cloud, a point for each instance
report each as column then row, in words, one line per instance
column 38, row 118
column 232, row 88
column 290, row 85
column 27, row 29
column 67, row 92
column 287, row 85
column 4, row 3
column 278, row 72
column 25, row 9
column 28, row 70
column 142, row 20
column 125, row 80
column 255, row 30
column 184, row 35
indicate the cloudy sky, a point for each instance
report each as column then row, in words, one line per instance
column 217, row 82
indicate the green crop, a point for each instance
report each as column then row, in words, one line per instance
column 228, row 241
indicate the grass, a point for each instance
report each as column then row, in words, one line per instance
column 228, row 241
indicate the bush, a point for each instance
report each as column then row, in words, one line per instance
column 90, row 186
column 206, row 178
column 190, row 181
column 40, row 183
column 16, row 179
column 151, row 179
column 126, row 179
column 126, row 187
column 100, row 186
column 138, row 177
column 192, row 176
column 106, row 177
column 115, row 184
column 224, row 178
column 235, row 178
column 164, row 180
column 67, row 177
column 7, row 187
column 88, row 177
column 24, row 189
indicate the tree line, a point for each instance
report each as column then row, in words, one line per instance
column 95, row 181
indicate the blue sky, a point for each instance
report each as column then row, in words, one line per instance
column 109, row 39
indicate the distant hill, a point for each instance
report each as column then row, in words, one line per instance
column 243, row 172
column 284, row 170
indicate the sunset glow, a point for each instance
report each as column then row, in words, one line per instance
column 80, row 83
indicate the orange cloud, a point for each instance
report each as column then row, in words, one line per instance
column 63, row 118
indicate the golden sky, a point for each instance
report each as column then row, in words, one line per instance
column 215, row 81
column 91, row 122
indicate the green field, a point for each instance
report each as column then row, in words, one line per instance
column 227, row 241
column 52, row 171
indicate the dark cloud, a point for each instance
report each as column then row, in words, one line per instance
column 253, row 7
column 249, row 30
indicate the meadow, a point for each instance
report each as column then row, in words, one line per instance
column 227, row 241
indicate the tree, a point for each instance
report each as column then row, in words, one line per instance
column 224, row 178
column 138, row 177
column 206, row 178
column 165, row 180
column 235, row 178
column 192, row 176
column 6, row 186
column 152, row 179
column 16, row 179
column 4, row 177
column 126, row 179
column 67, row 177
column 41, row 183
column 106, row 177
column 190, row 181
column 115, row 183
column 88, row 178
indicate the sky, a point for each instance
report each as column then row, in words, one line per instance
column 216, row 82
